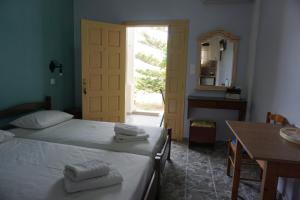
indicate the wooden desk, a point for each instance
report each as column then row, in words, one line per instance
column 218, row 103
column 278, row 157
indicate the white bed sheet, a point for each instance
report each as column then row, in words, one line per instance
column 33, row 170
column 94, row 134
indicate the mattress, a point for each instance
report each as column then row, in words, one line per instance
column 33, row 170
column 94, row 134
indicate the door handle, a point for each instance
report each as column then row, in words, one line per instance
column 84, row 91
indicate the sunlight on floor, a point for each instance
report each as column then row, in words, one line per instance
column 144, row 120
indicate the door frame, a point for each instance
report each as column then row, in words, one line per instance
column 151, row 23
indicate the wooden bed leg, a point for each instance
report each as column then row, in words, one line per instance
column 170, row 142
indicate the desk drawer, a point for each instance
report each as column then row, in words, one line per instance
column 202, row 104
column 229, row 105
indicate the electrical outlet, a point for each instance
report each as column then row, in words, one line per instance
column 52, row 81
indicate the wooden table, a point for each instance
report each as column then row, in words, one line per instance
column 277, row 157
column 218, row 103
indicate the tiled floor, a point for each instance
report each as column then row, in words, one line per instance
column 201, row 174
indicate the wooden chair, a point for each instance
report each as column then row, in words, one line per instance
column 245, row 158
column 276, row 119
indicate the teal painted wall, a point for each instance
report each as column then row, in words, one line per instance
column 32, row 33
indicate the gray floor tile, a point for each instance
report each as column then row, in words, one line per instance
column 203, row 182
column 199, row 168
column 193, row 194
column 227, row 196
column 200, row 173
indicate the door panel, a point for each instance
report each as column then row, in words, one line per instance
column 103, row 71
column 176, row 77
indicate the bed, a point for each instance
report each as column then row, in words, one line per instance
column 92, row 134
column 32, row 169
column 159, row 156
column 95, row 134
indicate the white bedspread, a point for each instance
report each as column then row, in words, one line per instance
column 95, row 134
column 33, row 170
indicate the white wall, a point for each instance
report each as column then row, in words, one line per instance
column 203, row 18
column 277, row 69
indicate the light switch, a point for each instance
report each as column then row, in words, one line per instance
column 52, row 81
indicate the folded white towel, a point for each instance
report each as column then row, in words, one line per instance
column 139, row 136
column 85, row 170
column 127, row 129
column 126, row 138
column 112, row 178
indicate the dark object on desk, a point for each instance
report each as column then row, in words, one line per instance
column 218, row 103
column 233, row 90
column 202, row 131
column 74, row 111
column 233, row 93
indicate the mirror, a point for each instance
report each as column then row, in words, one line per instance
column 217, row 60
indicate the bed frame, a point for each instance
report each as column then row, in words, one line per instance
column 151, row 192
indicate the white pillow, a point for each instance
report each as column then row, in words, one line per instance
column 41, row 119
column 5, row 135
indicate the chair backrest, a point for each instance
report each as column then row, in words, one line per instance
column 276, row 119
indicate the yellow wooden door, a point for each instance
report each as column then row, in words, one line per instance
column 103, row 71
column 176, row 77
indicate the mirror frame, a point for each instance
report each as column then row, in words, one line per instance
column 229, row 36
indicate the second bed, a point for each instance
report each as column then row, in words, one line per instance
column 94, row 134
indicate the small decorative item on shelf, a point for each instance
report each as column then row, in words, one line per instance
column 291, row 134
column 233, row 93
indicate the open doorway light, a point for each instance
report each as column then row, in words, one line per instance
column 146, row 74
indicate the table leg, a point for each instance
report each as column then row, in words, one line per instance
column 242, row 114
column 269, row 182
column 236, row 172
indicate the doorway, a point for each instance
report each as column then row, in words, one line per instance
column 146, row 62
column 103, row 57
